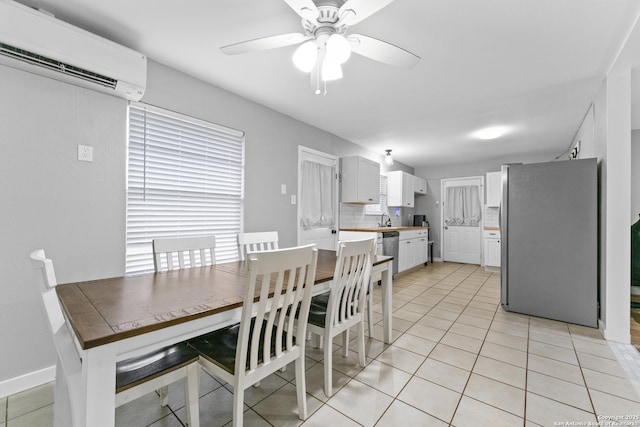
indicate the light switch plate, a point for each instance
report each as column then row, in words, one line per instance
column 283, row 189
column 293, row 199
column 85, row 153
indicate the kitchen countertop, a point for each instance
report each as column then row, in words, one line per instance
column 383, row 229
column 492, row 228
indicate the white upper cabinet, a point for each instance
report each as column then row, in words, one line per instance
column 400, row 187
column 494, row 189
column 360, row 180
column 419, row 185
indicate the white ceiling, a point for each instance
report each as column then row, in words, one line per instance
column 531, row 65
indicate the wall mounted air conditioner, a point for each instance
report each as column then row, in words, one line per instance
column 36, row 42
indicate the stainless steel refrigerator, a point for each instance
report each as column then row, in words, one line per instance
column 549, row 240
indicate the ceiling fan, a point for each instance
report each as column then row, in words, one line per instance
column 325, row 43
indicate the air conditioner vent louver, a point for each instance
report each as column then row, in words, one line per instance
column 54, row 65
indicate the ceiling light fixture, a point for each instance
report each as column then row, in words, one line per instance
column 388, row 160
column 490, row 132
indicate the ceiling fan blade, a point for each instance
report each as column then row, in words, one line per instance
column 305, row 8
column 382, row 51
column 264, row 43
column 354, row 11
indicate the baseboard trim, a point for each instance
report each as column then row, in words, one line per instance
column 27, row 381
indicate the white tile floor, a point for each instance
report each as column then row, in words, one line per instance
column 458, row 359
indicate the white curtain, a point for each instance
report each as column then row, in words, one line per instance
column 317, row 195
column 462, row 206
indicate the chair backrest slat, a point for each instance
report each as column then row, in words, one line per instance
column 201, row 251
column 350, row 280
column 283, row 281
column 256, row 242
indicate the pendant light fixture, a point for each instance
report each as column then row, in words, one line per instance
column 388, row 160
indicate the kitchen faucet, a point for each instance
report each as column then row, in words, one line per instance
column 382, row 223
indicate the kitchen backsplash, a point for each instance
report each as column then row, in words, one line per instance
column 353, row 216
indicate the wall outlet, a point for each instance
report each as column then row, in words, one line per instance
column 85, row 153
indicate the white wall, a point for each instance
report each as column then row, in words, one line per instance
column 431, row 203
column 585, row 138
column 272, row 141
column 76, row 210
column 613, row 149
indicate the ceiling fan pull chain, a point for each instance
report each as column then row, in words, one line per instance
column 317, row 75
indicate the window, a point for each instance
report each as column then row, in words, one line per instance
column 184, row 178
column 380, row 208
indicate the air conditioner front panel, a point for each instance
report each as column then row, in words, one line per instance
column 40, row 34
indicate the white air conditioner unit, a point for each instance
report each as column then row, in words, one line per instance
column 36, row 42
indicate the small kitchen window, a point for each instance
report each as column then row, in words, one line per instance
column 184, row 178
column 379, row 208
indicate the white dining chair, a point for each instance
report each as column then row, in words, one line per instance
column 183, row 252
column 344, row 236
column 179, row 253
column 334, row 312
column 278, row 282
column 135, row 377
column 256, row 242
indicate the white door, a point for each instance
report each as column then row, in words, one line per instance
column 317, row 198
column 462, row 225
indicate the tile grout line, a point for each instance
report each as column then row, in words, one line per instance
column 413, row 375
column 395, row 398
column 573, row 345
column 447, row 330
column 476, row 359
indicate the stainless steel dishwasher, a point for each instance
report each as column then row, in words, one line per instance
column 390, row 246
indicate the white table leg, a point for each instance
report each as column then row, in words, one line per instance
column 99, row 385
column 387, row 307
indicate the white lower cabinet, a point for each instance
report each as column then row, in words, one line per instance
column 405, row 252
column 492, row 248
column 412, row 248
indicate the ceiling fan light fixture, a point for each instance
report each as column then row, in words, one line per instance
column 331, row 71
column 338, row 48
column 348, row 17
column 305, row 56
column 388, row 159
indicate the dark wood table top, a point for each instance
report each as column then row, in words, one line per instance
column 109, row 310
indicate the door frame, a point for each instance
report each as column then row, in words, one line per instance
column 482, row 207
column 302, row 149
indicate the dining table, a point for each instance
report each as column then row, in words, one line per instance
column 117, row 318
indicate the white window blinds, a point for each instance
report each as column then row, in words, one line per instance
column 379, row 208
column 184, row 178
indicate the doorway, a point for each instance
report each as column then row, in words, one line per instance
column 461, row 213
column 318, row 198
